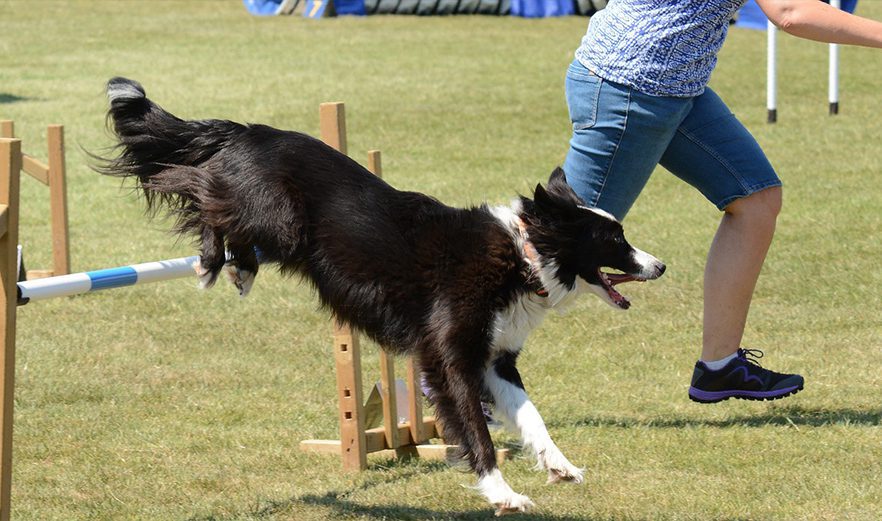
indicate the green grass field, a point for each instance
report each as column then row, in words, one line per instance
column 163, row 402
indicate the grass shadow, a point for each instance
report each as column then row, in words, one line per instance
column 11, row 98
column 794, row 416
column 340, row 506
column 343, row 507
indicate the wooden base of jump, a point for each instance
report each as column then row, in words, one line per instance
column 426, row 451
column 375, row 442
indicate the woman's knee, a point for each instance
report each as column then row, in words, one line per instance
column 763, row 206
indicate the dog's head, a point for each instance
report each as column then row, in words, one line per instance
column 582, row 241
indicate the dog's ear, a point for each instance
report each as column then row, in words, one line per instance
column 561, row 190
column 558, row 197
column 542, row 199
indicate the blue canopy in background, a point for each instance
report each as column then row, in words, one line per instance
column 279, row 7
column 264, row 7
column 542, row 8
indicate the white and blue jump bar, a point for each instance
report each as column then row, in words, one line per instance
column 76, row 283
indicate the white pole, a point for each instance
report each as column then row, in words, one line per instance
column 771, row 75
column 833, row 82
column 76, row 283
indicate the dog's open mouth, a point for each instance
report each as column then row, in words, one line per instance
column 609, row 280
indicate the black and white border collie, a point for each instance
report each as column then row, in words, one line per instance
column 460, row 289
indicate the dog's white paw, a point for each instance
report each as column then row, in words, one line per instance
column 206, row 277
column 514, row 504
column 568, row 475
column 242, row 279
column 501, row 496
column 560, row 470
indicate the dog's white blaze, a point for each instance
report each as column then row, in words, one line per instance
column 648, row 263
column 514, row 407
column 123, row 91
column 497, row 491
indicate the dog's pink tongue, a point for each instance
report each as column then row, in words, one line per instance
column 619, row 278
column 610, row 280
column 618, row 298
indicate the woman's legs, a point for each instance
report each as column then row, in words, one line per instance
column 713, row 152
column 618, row 137
column 733, row 267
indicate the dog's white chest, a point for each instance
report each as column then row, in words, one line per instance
column 512, row 325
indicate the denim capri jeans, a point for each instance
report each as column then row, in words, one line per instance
column 620, row 135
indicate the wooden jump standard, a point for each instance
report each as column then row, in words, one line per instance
column 10, row 168
column 408, row 438
column 14, row 293
column 53, row 176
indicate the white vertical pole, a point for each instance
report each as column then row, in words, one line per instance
column 771, row 74
column 833, row 81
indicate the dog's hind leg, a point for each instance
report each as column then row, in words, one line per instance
column 461, row 409
column 518, row 412
column 212, row 259
column 241, row 267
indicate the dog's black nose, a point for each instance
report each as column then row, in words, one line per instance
column 660, row 269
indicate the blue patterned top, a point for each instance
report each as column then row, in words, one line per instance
column 658, row 47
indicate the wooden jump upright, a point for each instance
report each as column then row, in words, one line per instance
column 409, row 438
column 10, row 166
column 51, row 174
column 356, row 442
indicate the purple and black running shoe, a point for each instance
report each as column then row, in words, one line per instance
column 742, row 378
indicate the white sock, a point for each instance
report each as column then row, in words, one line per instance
column 716, row 365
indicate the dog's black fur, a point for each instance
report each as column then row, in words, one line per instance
column 413, row 274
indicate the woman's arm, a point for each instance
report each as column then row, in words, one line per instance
column 816, row 20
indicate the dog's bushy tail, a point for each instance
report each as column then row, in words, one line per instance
column 166, row 154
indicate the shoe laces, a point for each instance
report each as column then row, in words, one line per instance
column 751, row 355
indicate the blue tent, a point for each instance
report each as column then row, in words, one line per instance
column 542, row 8
column 264, row 7
column 277, row 7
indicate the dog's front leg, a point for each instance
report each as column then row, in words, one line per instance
column 456, row 396
column 213, row 257
column 518, row 412
column 242, row 267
